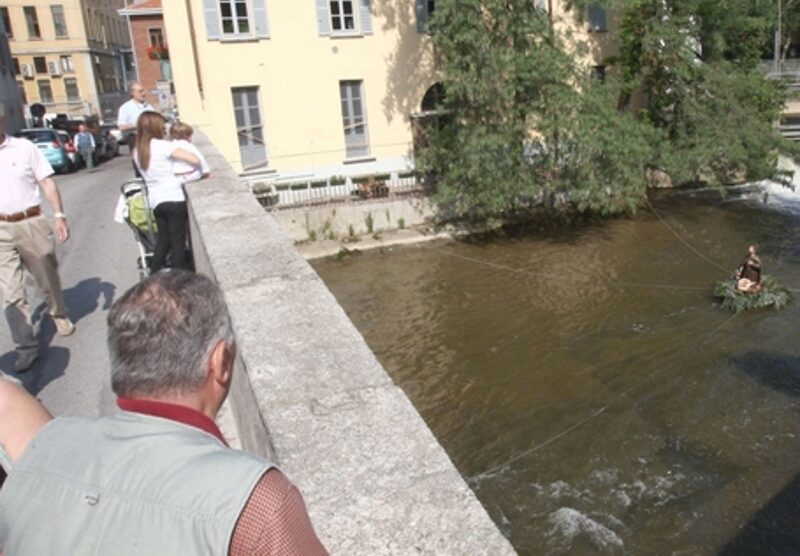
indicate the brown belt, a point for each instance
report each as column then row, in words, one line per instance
column 17, row 216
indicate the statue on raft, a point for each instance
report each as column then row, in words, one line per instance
column 748, row 275
column 748, row 288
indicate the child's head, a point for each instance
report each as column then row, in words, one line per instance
column 81, row 127
column 180, row 130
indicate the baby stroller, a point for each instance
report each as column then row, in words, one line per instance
column 135, row 211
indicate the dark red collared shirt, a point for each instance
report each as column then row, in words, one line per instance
column 274, row 521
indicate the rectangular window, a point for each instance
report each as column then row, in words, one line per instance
column 67, row 65
column 32, row 21
column 71, row 86
column 156, row 36
column 40, row 63
column 5, row 20
column 597, row 18
column 249, row 129
column 59, row 23
column 235, row 20
column 343, row 18
column 45, row 91
column 15, row 64
column 354, row 119
column 22, row 95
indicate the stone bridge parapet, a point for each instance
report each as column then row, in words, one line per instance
column 309, row 394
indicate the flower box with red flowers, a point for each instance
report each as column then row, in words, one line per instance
column 156, row 52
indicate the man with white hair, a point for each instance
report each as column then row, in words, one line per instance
column 26, row 241
column 156, row 477
column 129, row 112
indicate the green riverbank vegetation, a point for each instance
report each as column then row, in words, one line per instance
column 523, row 125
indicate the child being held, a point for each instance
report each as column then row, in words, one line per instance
column 181, row 135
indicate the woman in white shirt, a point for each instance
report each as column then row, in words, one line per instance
column 153, row 156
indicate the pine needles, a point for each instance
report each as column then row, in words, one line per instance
column 773, row 294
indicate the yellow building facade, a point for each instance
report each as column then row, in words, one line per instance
column 69, row 55
column 308, row 89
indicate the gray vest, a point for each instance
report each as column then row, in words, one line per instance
column 128, row 484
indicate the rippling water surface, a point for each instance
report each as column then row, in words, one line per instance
column 587, row 385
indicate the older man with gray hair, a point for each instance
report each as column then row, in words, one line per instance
column 156, row 477
column 26, row 241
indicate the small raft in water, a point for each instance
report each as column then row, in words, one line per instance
column 772, row 294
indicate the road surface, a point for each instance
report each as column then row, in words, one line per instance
column 98, row 263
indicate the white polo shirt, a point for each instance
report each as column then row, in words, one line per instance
column 22, row 167
column 130, row 110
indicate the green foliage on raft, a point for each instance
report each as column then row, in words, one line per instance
column 773, row 294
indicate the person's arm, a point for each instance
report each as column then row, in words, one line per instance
column 275, row 522
column 53, row 196
column 21, row 417
column 185, row 156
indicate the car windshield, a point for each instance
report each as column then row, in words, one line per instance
column 38, row 135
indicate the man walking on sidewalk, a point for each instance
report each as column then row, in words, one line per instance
column 26, row 241
column 84, row 141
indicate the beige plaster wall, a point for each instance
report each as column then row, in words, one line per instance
column 298, row 73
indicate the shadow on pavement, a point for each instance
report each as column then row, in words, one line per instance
column 52, row 363
column 775, row 528
column 82, row 300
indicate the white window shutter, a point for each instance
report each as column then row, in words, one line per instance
column 211, row 14
column 421, row 7
column 323, row 18
column 260, row 17
column 366, row 17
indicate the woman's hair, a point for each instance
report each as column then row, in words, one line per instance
column 150, row 125
column 180, row 130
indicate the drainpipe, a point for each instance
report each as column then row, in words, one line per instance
column 193, row 38
column 133, row 48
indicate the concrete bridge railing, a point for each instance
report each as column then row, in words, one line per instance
column 309, row 394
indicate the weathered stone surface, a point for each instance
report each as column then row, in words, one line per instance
column 310, row 394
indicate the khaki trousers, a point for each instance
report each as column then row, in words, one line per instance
column 28, row 244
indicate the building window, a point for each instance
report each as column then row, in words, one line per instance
column 32, row 21
column 5, row 20
column 343, row 18
column 234, row 17
column 15, row 65
column 40, row 63
column 59, row 23
column 156, row 36
column 424, row 9
column 249, row 129
column 597, row 18
column 22, row 95
column 71, row 86
column 45, row 91
column 67, row 65
column 354, row 119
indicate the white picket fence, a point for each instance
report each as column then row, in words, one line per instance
column 298, row 193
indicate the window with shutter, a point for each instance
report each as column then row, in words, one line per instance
column 236, row 19
column 354, row 119
column 344, row 17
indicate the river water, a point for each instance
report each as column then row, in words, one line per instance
column 587, row 385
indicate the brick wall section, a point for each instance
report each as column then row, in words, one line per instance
column 149, row 70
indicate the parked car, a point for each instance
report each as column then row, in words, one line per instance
column 69, row 144
column 52, row 146
column 106, row 145
column 114, row 131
